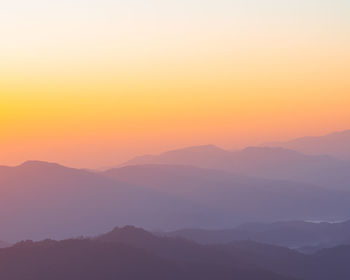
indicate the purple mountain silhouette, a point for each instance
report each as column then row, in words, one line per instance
column 335, row 144
column 47, row 200
column 265, row 162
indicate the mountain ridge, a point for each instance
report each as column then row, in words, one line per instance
column 265, row 162
column 334, row 144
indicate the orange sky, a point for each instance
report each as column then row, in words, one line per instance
column 88, row 90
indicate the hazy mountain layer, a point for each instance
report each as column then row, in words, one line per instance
column 266, row 162
column 243, row 198
column 44, row 200
column 306, row 236
column 335, row 144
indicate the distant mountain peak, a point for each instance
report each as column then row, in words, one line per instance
column 38, row 163
column 205, row 152
column 129, row 229
column 126, row 234
column 199, row 148
column 269, row 149
column 343, row 132
column 336, row 144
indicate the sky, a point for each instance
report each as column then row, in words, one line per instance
column 93, row 83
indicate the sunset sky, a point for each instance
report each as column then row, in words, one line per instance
column 91, row 83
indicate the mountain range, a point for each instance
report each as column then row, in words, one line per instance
column 247, row 255
column 46, row 200
column 265, row 162
column 62, row 202
column 242, row 197
column 133, row 253
column 307, row 237
column 335, row 144
column 120, row 258
column 199, row 213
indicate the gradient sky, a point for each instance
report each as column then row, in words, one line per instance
column 92, row 83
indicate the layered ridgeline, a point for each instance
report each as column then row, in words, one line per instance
column 127, row 253
column 47, row 200
column 266, row 162
column 334, row 144
column 241, row 254
column 307, row 237
column 132, row 253
column 243, row 198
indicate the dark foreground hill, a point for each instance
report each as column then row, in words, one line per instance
column 327, row 264
column 131, row 253
column 92, row 260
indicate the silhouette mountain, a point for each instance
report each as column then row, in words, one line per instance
column 336, row 144
column 40, row 200
column 91, row 260
column 265, row 162
column 240, row 198
column 246, row 255
column 172, row 248
column 207, row 154
column 305, row 236
column 47, row 200
column 326, row 264
column 133, row 253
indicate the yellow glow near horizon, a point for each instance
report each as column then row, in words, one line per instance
column 92, row 83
